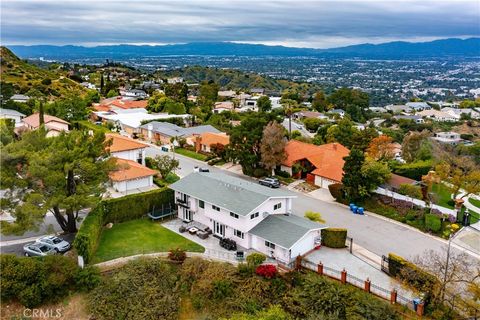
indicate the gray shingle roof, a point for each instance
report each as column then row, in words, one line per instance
column 230, row 193
column 172, row 130
column 284, row 230
column 11, row 112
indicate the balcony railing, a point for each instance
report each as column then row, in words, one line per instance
column 182, row 202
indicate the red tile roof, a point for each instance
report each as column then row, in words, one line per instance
column 395, row 181
column 121, row 143
column 129, row 170
column 108, row 104
column 209, row 138
column 34, row 120
column 327, row 159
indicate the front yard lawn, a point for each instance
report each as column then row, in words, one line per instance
column 191, row 154
column 444, row 195
column 140, row 236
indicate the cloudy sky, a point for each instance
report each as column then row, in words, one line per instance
column 319, row 24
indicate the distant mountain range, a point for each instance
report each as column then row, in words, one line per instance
column 391, row 50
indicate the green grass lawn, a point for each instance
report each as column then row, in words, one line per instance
column 443, row 195
column 140, row 236
column 475, row 202
column 191, row 154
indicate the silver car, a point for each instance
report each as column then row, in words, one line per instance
column 38, row 250
column 56, row 243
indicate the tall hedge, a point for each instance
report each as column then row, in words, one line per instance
column 414, row 170
column 334, row 237
column 117, row 210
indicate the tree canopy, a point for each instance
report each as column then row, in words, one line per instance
column 63, row 175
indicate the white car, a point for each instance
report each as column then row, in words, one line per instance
column 36, row 249
column 58, row 244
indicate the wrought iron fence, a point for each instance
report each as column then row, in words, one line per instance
column 358, row 282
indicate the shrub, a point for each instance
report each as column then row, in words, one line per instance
column 411, row 274
column 245, row 269
column 149, row 162
column 336, row 190
column 259, row 172
column 178, row 255
column 433, row 222
column 87, row 278
column 314, row 216
column 142, row 289
column 266, row 270
column 34, row 281
column 334, row 237
column 283, row 174
column 256, row 259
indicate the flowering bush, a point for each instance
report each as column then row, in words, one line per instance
column 266, row 270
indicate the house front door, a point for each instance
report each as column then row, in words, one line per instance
column 219, row 229
column 187, row 215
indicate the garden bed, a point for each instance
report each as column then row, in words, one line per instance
column 138, row 237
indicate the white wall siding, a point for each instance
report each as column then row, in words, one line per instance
column 132, row 155
column 323, row 182
column 122, row 186
column 305, row 244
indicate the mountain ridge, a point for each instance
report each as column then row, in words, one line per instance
column 438, row 48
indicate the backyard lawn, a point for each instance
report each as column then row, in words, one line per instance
column 191, row 154
column 444, row 195
column 140, row 236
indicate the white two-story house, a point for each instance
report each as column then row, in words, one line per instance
column 131, row 174
column 255, row 216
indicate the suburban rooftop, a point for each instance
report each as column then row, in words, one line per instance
column 231, row 193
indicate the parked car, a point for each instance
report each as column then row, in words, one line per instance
column 270, row 182
column 57, row 243
column 37, row 249
column 199, row 169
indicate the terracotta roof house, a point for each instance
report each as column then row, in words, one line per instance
column 131, row 176
column 126, row 148
column 320, row 165
column 205, row 140
column 109, row 104
column 53, row 124
column 396, row 181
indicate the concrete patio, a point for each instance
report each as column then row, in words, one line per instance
column 213, row 250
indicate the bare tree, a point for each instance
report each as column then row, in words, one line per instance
column 272, row 146
column 457, row 277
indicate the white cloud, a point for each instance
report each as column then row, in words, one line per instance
column 298, row 23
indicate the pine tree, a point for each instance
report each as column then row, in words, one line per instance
column 352, row 178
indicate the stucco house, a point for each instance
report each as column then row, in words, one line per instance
column 162, row 132
column 53, row 124
column 223, row 106
column 12, row 114
column 319, row 165
column 204, row 141
column 254, row 216
column 130, row 174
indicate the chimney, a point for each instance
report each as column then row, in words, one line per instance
column 334, row 146
column 198, row 143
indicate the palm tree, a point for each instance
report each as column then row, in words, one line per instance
column 288, row 107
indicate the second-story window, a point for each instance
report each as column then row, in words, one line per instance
column 254, row 215
column 269, row 244
column 201, row 204
column 277, row 206
column 214, row 207
column 234, row 215
column 238, row 233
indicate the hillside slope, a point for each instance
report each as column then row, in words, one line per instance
column 26, row 78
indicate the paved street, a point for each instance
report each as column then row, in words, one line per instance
column 380, row 236
column 18, row 247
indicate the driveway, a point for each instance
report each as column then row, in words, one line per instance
column 340, row 259
column 17, row 247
